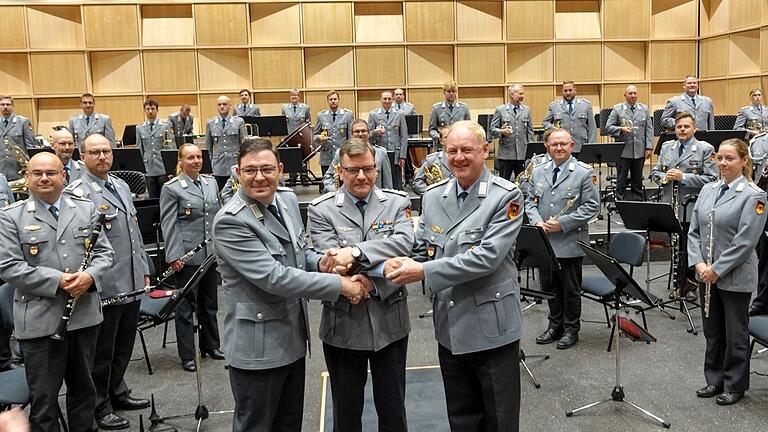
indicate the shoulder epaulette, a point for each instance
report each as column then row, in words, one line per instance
column 14, row 205
column 755, row 187
column 435, row 105
column 234, row 206
column 75, row 184
column 506, row 184
column 586, row 100
column 585, row 165
column 284, row 189
column 322, row 198
column 460, row 103
column 434, row 185
column 744, row 107
column 396, row 192
column 171, row 181
column 79, row 198
column 207, row 175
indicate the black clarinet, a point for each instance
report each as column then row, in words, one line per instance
column 61, row 329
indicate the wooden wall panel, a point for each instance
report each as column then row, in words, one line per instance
column 578, row 61
column 480, row 20
column 661, row 92
column 614, row 94
column 329, row 67
column 379, row 22
column 208, row 106
column 538, row 99
column 480, row 64
column 424, row 98
column 14, row 30
column 717, row 90
column 58, row 73
column 56, row 112
column 380, row 66
column 317, row 17
column 223, row 69
column 627, row 18
column 624, row 61
column 530, row 62
column 714, row 56
column 577, row 19
column 274, row 68
column 14, row 74
column 170, row 71
column 124, row 110
column 221, row 24
column 66, row 21
column 171, row 103
column 429, row 65
column 367, row 101
column 520, row 13
column 275, row 23
column 109, row 26
column 116, row 71
column 673, row 18
column 482, row 100
column 672, row 60
column 744, row 53
column 167, row 25
column 738, row 94
column 429, row 21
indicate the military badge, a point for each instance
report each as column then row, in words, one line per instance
column 513, row 210
column 33, row 250
column 407, row 212
column 760, row 207
column 436, row 229
column 594, row 179
column 104, row 207
column 187, row 211
column 431, row 251
column 107, row 225
column 32, row 228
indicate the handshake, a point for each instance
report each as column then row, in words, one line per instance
column 354, row 288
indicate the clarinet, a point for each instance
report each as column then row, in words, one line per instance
column 168, row 273
column 61, row 329
column 677, row 287
column 710, row 251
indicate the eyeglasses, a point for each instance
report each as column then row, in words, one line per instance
column 40, row 174
column 353, row 171
column 563, row 145
column 97, row 153
column 265, row 171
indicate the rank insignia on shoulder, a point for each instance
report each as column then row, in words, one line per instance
column 436, row 229
column 513, row 210
column 407, row 212
column 759, row 207
column 33, row 250
column 594, row 179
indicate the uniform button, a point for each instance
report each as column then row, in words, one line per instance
column 452, row 236
column 259, row 316
column 344, row 242
column 65, row 256
column 400, row 294
column 66, row 270
column 450, row 303
column 386, row 235
column 553, row 192
column 472, row 236
column 301, row 266
column 498, row 295
column 432, row 238
column 63, row 241
column 33, row 239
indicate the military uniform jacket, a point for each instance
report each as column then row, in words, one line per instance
column 406, row 107
column 186, row 215
column 37, row 249
column 739, row 218
column 512, row 147
column 580, row 122
column 754, row 113
column 297, row 117
column 230, row 187
column 702, row 111
column 76, row 170
column 263, row 269
column 697, row 164
column 250, row 110
column 99, row 123
column 468, row 259
column 758, row 149
column 641, row 122
column 338, row 132
column 180, row 126
column 19, row 131
column 443, row 115
column 6, row 196
column 223, row 142
column 439, row 159
column 385, row 232
column 150, row 143
column 383, row 169
column 395, row 137
column 576, row 183
column 122, row 230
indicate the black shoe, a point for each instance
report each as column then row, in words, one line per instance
column 130, row 403
column 709, row 391
column 12, row 366
column 548, row 337
column 188, row 365
column 112, row 421
column 568, row 340
column 729, row 398
column 215, row 354
column 754, row 310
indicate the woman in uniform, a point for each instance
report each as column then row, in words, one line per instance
column 753, row 117
column 727, row 221
column 188, row 203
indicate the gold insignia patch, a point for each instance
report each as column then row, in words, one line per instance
column 187, row 211
column 32, row 228
column 760, row 207
column 436, row 229
column 104, row 207
column 513, row 210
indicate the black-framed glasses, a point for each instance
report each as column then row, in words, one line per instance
column 353, row 171
column 97, row 153
column 265, row 171
column 40, row 174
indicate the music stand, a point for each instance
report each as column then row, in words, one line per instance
column 129, row 135
column 275, row 125
column 171, row 159
column 190, row 138
column 127, row 159
column 414, row 123
column 534, row 148
column 594, row 153
column 291, row 159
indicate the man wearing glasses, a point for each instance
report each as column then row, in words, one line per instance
column 383, row 168
column 64, row 146
column 128, row 272
column 361, row 226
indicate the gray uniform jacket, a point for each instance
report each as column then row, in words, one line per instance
column 576, row 183
column 296, row 117
column 580, row 122
column 262, row 266
column 443, row 115
column 130, row 264
column 229, row 189
column 223, row 142
column 37, row 249
column 751, row 112
column 406, row 107
column 76, row 170
column 468, row 258
column 739, row 218
column 395, row 137
column 186, row 215
column 758, row 149
column 512, row 147
column 6, row 196
column 251, row 110
column 383, row 169
column 150, row 143
column 99, row 123
column 641, row 122
column 181, row 126
column 338, row 132
column 386, row 231
column 19, row 131
column 702, row 111
column 439, row 159
column 697, row 164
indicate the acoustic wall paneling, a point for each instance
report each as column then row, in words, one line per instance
column 13, row 23
column 111, row 26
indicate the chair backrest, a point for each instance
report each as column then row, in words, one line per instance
column 725, row 122
column 6, row 305
column 657, row 128
column 604, row 113
column 628, row 248
column 135, row 179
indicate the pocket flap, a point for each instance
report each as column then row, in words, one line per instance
column 33, row 237
column 260, row 312
column 493, row 293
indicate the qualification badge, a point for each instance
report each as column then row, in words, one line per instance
column 436, row 229
column 760, row 207
column 104, row 207
column 33, row 250
column 431, row 251
column 407, row 212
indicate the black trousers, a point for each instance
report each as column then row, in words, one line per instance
column 482, row 389
column 409, row 171
column 348, row 371
column 48, row 363
column 726, row 359
column 397, row 176
column 633, row 167
column 508, row 168
column 565, row 308
column 154, row 185
column 204, row 298
column 5, row 347
column 268, row 400
column 221, row 181
column 761, row 299
column 114, row 347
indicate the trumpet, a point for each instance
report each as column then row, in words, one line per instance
column 710, row 251
column 168, row 139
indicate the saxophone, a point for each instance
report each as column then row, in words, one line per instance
column 710, row 252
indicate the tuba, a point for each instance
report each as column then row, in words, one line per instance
column 18, row 185
column 755, row 125
column 433, row 174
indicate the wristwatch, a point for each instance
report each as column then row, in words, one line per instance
column 356, row 253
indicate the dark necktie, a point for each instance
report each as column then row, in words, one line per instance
column 334, row 117
column 399, row 107
column 151, row 126
column 198, row 184
column 361, row 207
column 632, row 107
column 723, row 189
column 294, row 110
column 87, row 121
column 111, row 188
column 680, row 150
column 515, row 110
column 54, row 211
column 554, row 174
column 276, row 213
column 5, row 123
column 66, row 173
column 462, row 197
column 387, row 115
column 693, row 101
column 570, row 107
column 450, row 108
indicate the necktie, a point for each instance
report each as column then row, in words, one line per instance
column 723, row 189
column 515, row 110
column 198, row 184
column 554, row 174
column 66, row 173
column 387, row 115
column 462, row 197
column 450, row 107
column 151, row 126
column 276, row 213
column 693, row 101
column 334, row 117
column 54, row 211
column 294, row 110
column 632, row 107
column 223, row 122
column 361, row 207
column 111, row 188
column 570, row 107
column 399, row 107
column 87, row 121
column 680, row 150
column 5, row 123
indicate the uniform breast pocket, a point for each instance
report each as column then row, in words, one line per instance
column 470, row 239
column 261, row 329
column 276, row 250
column 349, row 238
column 495, row 308
column 435, row 245
column 35, row 245
column 111, row 228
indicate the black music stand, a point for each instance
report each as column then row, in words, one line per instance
column 275, row 125
column 190, row 138
column 714, row 137
column 291, row 159
column 533, row 250
column 171, row 159
column 534, row 148
column 127, row 159
column 414, row 123
column 625, row 284
column 148, row 215
column 129, row 135
column 594, row 153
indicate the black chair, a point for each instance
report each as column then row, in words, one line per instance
column 725, row 122
column 657, row 128
column 137, row 183
column 758, row 329
column 627, row 248
column 603, row 120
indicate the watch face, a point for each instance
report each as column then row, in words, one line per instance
column 356, row 252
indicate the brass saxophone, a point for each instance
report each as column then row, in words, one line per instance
column 710, row 252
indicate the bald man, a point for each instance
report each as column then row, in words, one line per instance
column 223, row 136
column 63, row 143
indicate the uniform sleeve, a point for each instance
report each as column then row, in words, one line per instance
column 532, row 203
column 109, row 132
column 529, row 127
column 495, row 127
column 547, row 122
column 612, row 124
column 742, row 245
column 29, row 135
column 589, row 203
column 403, row 138
column 591, row 126
column 139, row 142
column 668, row 115
column 318, row 130
column 328, row 184
column 7, row 190
column 694, row 235
column 419, row 183
column 209, row 139
column 708, row 174
column 741, row 121
column 711, row 116
column 399, row 243
column 648, row 130
column 433, row 132
column 169, row 223
column 658, row 172
column 191, row 125
column 386, row 173
column 373, row 137
column 103, row 255
column 227, row 192
column 467, row 115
